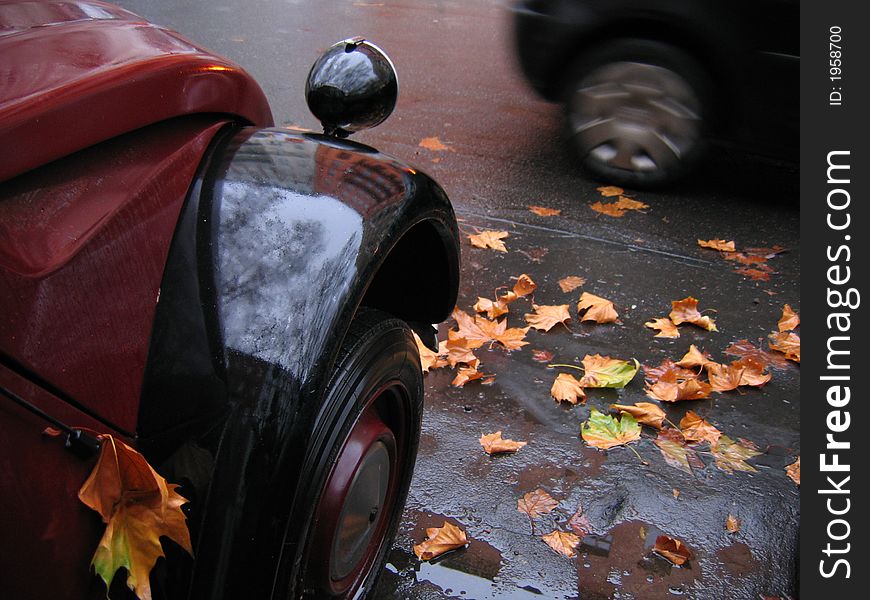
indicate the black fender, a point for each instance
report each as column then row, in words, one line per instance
column 282, row 238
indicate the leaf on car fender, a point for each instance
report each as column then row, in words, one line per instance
column 605, row 372
column 597, row 309
column 567, row 389
column 686, row 311
column 646, row 413
column 489, row 239
column 665, row 327
column 605, row 432
column 672, row 549
column 138, row 507
column 536, row 503
column 546, row 317
column 493, row 443
column 562, row 542
column 789, row 319
column 440, row 540
column 571, row 283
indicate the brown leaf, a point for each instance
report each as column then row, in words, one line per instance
column 571, row 283
column 755, row 274
column 789, row 319
column 731, row 456
column 630, row 204
column 745, row 259
column 765, row 252
column 562, row 542
column 433, row 144
column 720, row 245
column 752, row 371
column 493, row 309
column 542, row 356
column 676, row 493
column 428, row 359
column 744, row 348
column 512, row 338
column 646, row 413
column 696, row 429
column 466, row 374
column 138, row 507
column 695, row 358
column 653, row 374
column 478, row 331
column 669, row 388
column 51, row 432
column 489, row 239
column 440, row 540
column 610, row 190
column 579, row 523
column 724, row 378
column 672, row 549
column 536, row 503
column 548, row 316
column 665, row 327
column 794, row 471
column 611, row 209
column 686, row 311
column 597, row 309
column 732, row 524
column 676, row 453
column 567, row 389
column 545, row 212
column 524, row 286
column 788, row 343
column 494, row 444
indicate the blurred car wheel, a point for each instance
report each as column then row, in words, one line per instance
column 637, row 112
column 361, row 461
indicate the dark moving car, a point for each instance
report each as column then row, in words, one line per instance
column 235, row 301
column 646, row 83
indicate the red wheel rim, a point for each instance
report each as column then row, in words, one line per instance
column 353, row 512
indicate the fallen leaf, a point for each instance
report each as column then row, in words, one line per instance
column 630, row 204
column 686, row 311
column 440, row 540
column 610, row 190
column 545, row 212
column 466, row 374
column 755, row 274
column 745, row 259
column 794, row 471
column 731, row 456
column 605, row 372
column 524, row 286
column 752, row 371
column 494, row 444
column 645, row 413
column 789, row 319
column 732, row 524
column 433, row 143
column 492, row 309
column 511, row 338
column 676, row 453
column 597, row 309
column 579, row 523
column 567, row 389
column 720, row 245
column 536, row 503
column 788, row 343
column 666, row 328
column 744, row 348
column 547, row 316
column 489, row 239
column 478, row 331
column 653, row 374
column 603, row 431
column 571, row 283
column 542, row 356
column 428, row 359
column 765, row 252
column 562, row 542
column 669, row 388
column 608, row 208
column 672, row 549
column 695, row 358
column 724, row 378
column 676, row 493
column 697, row 429
column 138, row 507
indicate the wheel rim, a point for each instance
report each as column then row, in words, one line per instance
column 635, row 117
column 353, row 513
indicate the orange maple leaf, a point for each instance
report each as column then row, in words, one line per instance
column 562, row 542
column 475, row 330
column 597, row 309
column 672, row 549
column 695, row 358
column 794, row 471
column 455, row 349
column 493, row 309
column 466, row 374
column 546, row 317
column 610, row 190
column 752, row 371
column 788, row 343
column 789, row 319
column 428, row 358
column 697, row 429
column 653, row 374
column 489, row 239
column 138, row 507
column 744, row 348
column 686, row 311
column 536, row 503
column 494, row 444
column 545, row 212
column 524, row 286
column 434, row 144
column 669, row 389
column 665, row 327
column 571, row 283
column 732, row 524
column 646, row 413
column 567, row 389
column 440, row 540
column 720, row 245
column 724, row 378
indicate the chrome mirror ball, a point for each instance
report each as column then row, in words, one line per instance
column 351, row 87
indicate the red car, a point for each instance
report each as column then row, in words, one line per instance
column 235, row 301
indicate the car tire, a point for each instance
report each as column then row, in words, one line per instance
column 358, row 467
column 638, row 112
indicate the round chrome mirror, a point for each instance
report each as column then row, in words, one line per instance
column 352, row 86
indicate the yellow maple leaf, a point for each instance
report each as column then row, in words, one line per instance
column 562, row 542
column 489, row 239
column 665, row 327
column 567, row 389
column 548, row 316
column 138, row 508
column 440, row 540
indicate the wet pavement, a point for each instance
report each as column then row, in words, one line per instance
column 505, row 151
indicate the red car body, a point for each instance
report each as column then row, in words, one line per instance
column 105, row 120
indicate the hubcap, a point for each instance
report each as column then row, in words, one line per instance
column 635, row 116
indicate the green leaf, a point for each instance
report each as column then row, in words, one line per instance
column 603, row 431
column 676, row 453
column 605, row 372
column 731, row 456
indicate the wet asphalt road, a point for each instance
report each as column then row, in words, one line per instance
column 459, row 82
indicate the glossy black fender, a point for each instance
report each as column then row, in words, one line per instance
column 282, row 238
